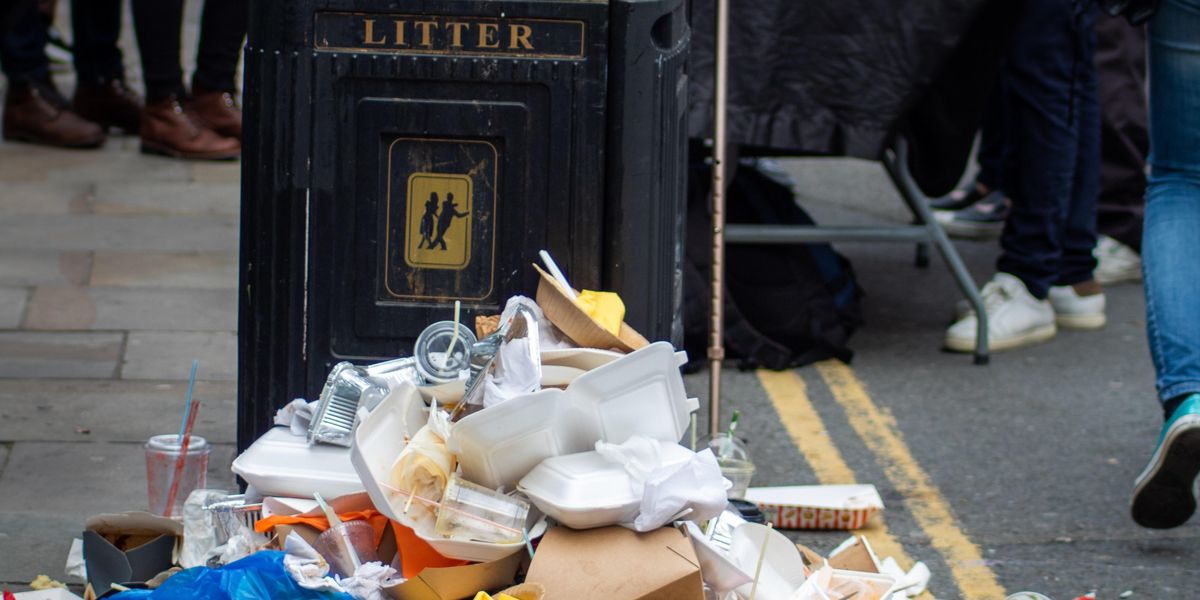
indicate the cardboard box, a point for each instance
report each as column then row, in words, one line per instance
column 454, row 583
column 128, row 548
column 614, row 563
column 817, row 506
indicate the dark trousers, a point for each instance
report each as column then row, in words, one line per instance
column 95, row 25
column 1051, row 112
column 23, row 44
column 159, row 34
column 1124, row 140
column 993, row 155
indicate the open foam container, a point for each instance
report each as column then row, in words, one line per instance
column 282, row 464
column 586, row 490
column 639, row 393
column 378, row 440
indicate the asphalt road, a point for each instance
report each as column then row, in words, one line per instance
column 1001, row 478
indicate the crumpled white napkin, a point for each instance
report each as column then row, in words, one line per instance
column 668, row 491
column 549, row 336
column 297, row 415
column 310, row 571
column 516, row 373
column 368, row 581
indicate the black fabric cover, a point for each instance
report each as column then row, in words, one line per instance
column 839, row 77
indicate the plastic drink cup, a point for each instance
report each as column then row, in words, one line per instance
column 734, row 460
column 362, row 538
column 473, row 512
column 162, row 452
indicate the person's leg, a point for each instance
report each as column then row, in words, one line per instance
column 23, row 46
column 222, row 31
column 1124, row 138
column 158, row 25
column 993, row 145
column 1079, row 223
column 1042, row 66
column 96, row 26
column 101, row 94
column 168, row 128
column 34, row 110
column 1163, row 493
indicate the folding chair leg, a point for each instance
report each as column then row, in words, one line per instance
column 922, row 257
column 895, row 161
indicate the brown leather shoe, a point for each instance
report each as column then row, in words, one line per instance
column 218, row 111
column 110, row 103
column 36, row 112
column 170, row 130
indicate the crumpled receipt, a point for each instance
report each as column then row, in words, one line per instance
column 693, row 491
column 424, row 466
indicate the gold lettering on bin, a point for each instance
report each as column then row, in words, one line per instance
column 425, row 27
column 487, row 35
column 446, row 34
column 401, row 27
column 518, row 35
column 369, row 33
column 456, row 29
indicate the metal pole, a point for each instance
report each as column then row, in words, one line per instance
column 716, row 348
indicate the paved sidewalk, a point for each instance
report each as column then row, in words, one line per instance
column 116, row 270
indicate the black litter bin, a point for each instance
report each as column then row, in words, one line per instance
column 399, row 156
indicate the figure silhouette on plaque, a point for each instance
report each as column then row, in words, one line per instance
column 427, row 222
column 449, row 212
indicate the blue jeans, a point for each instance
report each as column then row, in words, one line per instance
column 1052, row 122
column 1171, row 238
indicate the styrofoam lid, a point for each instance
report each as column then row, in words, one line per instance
column 281, row 464
column 588, row 480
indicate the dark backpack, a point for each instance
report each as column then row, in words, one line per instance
column 786, row 305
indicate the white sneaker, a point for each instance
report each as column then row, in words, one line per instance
column 1077, row 312
column 1115, row 262
column 1015, row 318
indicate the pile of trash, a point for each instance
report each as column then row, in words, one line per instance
column 536, row 455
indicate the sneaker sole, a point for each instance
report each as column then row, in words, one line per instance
column 1040, row 334
column 1069, row 321
column 1129, row 275
column 164, row 150
column 1163, row 495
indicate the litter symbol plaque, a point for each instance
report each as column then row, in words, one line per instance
column 440, row 222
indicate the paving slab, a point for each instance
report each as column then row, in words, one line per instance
column 129, row 309
column 216, row 172
column 60, row 355
column 35, row 545
column 122, row 165
column 161, row 354
column 20, row 267
column 56, row 478
column 201, row 270
column 12, row 306
column 60, row 486
column 202, row 233
column 111, row 411
column 26, row 162
column 44, row 198
column 168, row 198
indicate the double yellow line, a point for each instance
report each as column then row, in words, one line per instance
column 879, row 432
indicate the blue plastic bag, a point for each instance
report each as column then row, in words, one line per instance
column 260, row 576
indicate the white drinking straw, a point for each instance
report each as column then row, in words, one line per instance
column 557, row 274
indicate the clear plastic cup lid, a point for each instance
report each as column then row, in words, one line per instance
column 171, row 442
